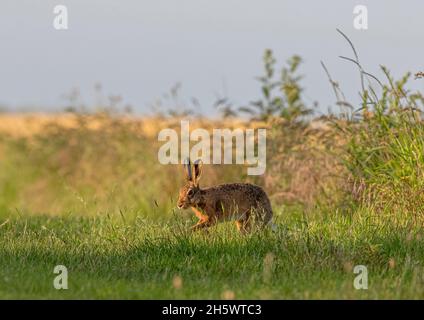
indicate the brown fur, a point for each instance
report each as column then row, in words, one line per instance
column 234, row 201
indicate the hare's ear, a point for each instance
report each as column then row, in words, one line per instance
column 197, row 171
column 188, row 169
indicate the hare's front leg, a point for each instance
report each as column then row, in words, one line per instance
column 203, row 223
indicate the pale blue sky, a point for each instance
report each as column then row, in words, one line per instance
column 140, row 49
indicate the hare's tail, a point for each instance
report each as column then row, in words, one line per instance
column 267, row 219
column 273, row 227
column 270, row 224
column 268, row 211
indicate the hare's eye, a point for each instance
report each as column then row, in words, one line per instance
column 190, row 192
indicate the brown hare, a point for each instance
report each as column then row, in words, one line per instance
column 242, row 202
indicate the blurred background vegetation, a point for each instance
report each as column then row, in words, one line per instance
column 105, row 161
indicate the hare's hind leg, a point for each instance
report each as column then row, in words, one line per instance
column 244, row 224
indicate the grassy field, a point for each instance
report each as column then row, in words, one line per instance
column 132, row 257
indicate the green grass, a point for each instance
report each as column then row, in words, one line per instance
column 385, row 152
column 131, row 257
